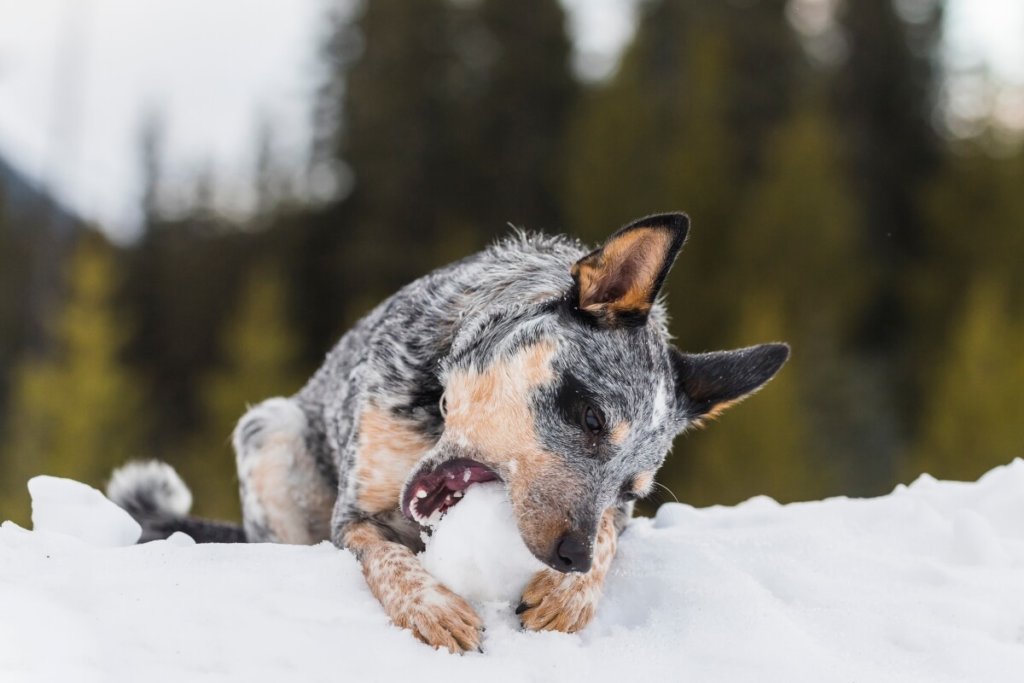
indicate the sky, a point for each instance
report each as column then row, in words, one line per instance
column 79, row 77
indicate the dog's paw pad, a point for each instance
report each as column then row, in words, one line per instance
column 559, row 602
column 442, row 619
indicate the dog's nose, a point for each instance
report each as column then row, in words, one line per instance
column 572, row 554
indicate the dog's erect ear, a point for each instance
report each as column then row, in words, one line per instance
column 708, row 383
column 618, row 283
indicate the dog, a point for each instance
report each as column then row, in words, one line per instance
column 534, row 363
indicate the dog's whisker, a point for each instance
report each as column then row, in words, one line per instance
column 665, row 488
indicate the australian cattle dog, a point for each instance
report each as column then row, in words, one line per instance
column 536, row 363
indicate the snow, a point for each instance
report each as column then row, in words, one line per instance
column 476, row 549
column 62, row 506
column 925, row 584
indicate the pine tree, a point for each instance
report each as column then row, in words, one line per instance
column 800, row 238
column 885, row 95
column 76, row 412
column 512, row 114
column 974, row 419
column 762, row 446
column 448, row 118
column 259, row 361
column 672, row 130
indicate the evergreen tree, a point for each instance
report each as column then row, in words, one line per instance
column 973, row 211
column 76, row 412
column 512, row 114
column 886, row 92
column 763, row 445
column 181, row 277
column 967, row 325
column 885, row 96
column 13, row 280
column 394, row 138
column 672, row 130
column 800, row 236
column 973, row 418
column 259, row 360
column 449, row 117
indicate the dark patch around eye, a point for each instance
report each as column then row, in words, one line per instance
column 628, row 491
column 572, row 399
column 579, row 408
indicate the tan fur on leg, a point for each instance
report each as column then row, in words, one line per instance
column 410, row 595
column 554, row 601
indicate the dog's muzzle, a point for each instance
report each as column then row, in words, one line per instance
column 435, row 489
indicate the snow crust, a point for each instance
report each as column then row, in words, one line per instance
column 925, row 584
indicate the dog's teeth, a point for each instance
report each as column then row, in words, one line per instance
column 466, row 475
column 421, row 494
column 458, row 494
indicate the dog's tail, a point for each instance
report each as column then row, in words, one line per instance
column 154, row 494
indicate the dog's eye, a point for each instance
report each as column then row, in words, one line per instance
column 628, row 491
column 593, row 420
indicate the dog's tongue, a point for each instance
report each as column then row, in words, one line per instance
column 432, row 492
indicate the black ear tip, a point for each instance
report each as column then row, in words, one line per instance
column 679, row 220
column 676, row 221
column 776, row 354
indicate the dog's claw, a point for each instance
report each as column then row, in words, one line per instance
column 559, row 602
column 443, row 620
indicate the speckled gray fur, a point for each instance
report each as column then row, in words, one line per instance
column 488, row 307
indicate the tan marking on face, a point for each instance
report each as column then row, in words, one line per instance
column 410, row 596
column 490, row 411
column 619, row 433
column 388, row 450
column 567, row 602
column 642, row 483
column 491, row 408
column 631, row 261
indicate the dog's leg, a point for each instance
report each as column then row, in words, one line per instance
column 284, row 497
column 409, row 594
column 554, row 601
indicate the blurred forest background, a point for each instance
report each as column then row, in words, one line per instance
column 839, row 202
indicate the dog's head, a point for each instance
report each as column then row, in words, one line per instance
column 573, row 402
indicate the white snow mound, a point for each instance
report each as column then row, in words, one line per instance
column 74, row 509
column 925, row 584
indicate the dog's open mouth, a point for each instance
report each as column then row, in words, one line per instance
column 433, row 492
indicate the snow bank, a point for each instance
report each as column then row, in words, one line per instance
column 925, row 584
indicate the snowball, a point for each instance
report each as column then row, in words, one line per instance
column 71, row 508
column 476, row 549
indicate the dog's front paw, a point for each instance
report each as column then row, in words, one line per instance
column 440, row 618
column 554, row 601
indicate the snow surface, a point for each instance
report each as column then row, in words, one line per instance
column 925, row 584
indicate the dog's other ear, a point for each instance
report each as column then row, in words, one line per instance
column 708, row 383
column 618, row 283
